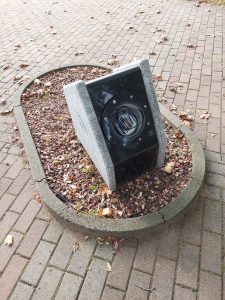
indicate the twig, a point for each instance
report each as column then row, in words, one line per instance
column 145, row 289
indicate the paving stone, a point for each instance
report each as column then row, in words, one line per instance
column 121, row 267
column 211, row 192
column 24, row 198
column 212, row 216
column 145, row 256
column 48, row 284
column 112, row 294
column 215, row 179
column 64, row 248
column 32, row 238
column 3, row 170
column 81, row 257
column 5, row 203
column 210, row 287
column 187, row 267
column 168, row 243
column 19, row 183
column 216, row 168
column 53, row 232
column 22, row 291
column 6, row 223
column 184, row 293
column 45, row 214
column 6, row 252
column 163, row 279
column 69, row 288
column 38, row 262
column 15, row 169
column 137, row 281
column 97, row 273
column 104, row 251
column 191, row 231
column 9, row 278
column 4, row 185
column 10, row 159
column 211, row 252
column 27, row 216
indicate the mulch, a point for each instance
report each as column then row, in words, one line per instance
column 70, row 172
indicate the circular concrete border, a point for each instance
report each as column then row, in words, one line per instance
column 133, row 227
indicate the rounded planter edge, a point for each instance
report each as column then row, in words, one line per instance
column 130, row 227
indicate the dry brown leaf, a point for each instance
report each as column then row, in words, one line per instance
column 157, row 77
column 104, row 190
column 187, row 123
column 17, row 77
column 107, row 212
column 6, row 112
column 2, row 101
column 37, row 81
column 5, row 67
column 173, row 107
column 47, row 84
column 158, row 11
column 112, row 62
column 169, row 168
column 191, row 46
column 54, row 32
column 79, row 53
column 23, row 65
column 204, row 114
column 8, row 240
column 108, row 267
column 76, row 246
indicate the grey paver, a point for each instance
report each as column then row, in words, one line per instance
column 69, row 287
column 22, row 291
column 187, row 268
column 97, row 273
column 48, row 284
column 210, row 287
column 37, row 263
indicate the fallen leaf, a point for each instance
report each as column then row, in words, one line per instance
column 54, row 32
column 107, row 212
column 76, row 246
column 173, row 107
column 6, row 112
column 5, row 67
column 187, row 123
column 37, row 81
column 23, row 65
column 2, row 101
column 112, row 62
column 158, row 11
column 213, row 135
column 162, row 40
column 152, row 53
column 17, row 46
column 79, row 53
column 47, row 84
column 17, row 77
column 108, row 267
column 8, row 240
column 157, row 77
column 169, row 168
column 204, row 114
column 190, row 46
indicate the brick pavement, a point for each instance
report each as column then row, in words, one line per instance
column 185, row 261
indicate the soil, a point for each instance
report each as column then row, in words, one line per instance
column 70, row 172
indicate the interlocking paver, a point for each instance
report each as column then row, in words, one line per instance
column 210, row 287
column 37, row 263
column 97, row 273
column 187, row 268
column 138, row 286
column 48, row 284
column 9, row 278
column 69, row 288
column 163, row 279
column 201, row 73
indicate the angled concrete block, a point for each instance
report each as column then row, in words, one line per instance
column 88, row 130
